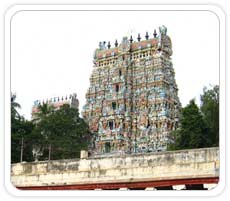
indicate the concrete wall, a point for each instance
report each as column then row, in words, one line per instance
column 194, row 163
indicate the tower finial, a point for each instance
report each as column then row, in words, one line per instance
column 131, row 39
column 147, row 35
column 109, row 45
column 139, row 37
column 100, row 45
column 116, row 43
column 155, row 33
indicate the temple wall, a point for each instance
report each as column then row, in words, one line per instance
column 184, row 164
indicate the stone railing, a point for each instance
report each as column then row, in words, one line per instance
column 184, row 164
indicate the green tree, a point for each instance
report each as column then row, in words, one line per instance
column 193, row 131
column 44, row 110
column 14, row 106
column 21, row 149
column 42, row 131
column 16, row 135
column 63, row 134
column 175, row 141
column 210, row 110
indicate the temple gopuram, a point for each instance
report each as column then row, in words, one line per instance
column 56, row 103
column 132, row 103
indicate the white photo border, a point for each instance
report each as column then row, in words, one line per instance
column 12, row 11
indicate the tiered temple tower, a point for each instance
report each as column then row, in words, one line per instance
column 56, row 103
column 132, row 103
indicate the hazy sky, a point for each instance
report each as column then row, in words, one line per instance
column 52, row 51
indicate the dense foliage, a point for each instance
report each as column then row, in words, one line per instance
column 53, row 134
column 210, row 109
column 20, row 134
column 63, row 134
column 199, row 127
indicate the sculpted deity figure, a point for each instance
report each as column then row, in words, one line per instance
column 104, row 124
column 163, row 32
column 125, row 45
column 100, row 126
column 117, row 123
column 102, row 45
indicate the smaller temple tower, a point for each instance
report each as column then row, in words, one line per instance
column 56, row 103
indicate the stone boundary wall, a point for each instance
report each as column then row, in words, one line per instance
column 183, row 164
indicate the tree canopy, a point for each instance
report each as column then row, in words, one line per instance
column 64, row 131
column 20, row 134
column 53, row 134
column 193, row 132
column 210, row 109
column 199, row 127
column 14, row 106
